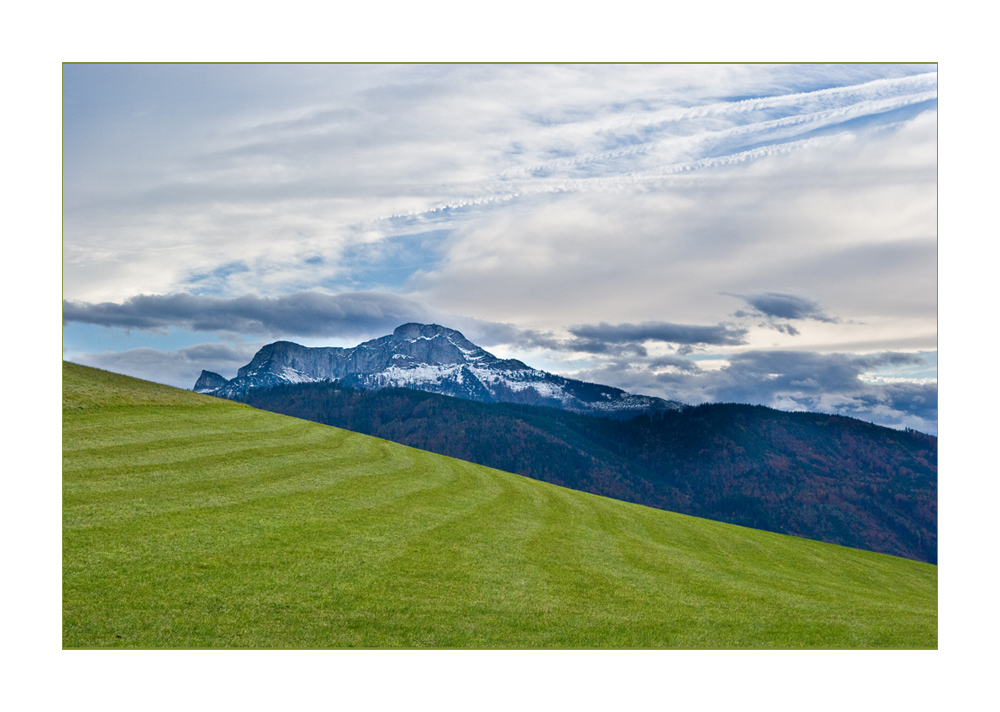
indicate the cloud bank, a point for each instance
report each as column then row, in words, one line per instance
column 787, row 380
column 179, row 368
column 299, row 314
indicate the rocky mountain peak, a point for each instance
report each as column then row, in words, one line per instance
column 209, row 381
column 430, row 344
column 433, row 358
column 424, row 331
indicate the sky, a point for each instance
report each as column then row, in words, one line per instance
column 703, row 233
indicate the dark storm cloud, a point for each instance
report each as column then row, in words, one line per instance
column 300, row 314
column 777, row 305
column 620, row 340
column 602, row 334
column 487, row 333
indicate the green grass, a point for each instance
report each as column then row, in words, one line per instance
column 190, row 521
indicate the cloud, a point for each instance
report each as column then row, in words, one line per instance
column 660, row 331
column 179, row 368
column 601, row 339
column 784, row 306
column 488, row 333
column 783, row 328
column 854, row 222
column 755, row 376
column 291, row 160
column 787, row 380
column 300, row 314
column 662, row 364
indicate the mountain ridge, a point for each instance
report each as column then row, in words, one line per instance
column 430, row 358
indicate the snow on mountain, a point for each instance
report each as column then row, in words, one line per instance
column 431, row 358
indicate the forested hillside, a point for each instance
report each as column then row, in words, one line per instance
column 823, row 477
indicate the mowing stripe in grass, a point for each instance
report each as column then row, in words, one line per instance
column 193, row 522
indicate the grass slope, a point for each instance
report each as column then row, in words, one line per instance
column 823, row 477
column 191, row 521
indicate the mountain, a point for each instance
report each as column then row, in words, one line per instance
column 209, row 381
column 824, row 477
column 431, row 358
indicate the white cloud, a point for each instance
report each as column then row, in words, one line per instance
column 847, row 224
column 268, row 174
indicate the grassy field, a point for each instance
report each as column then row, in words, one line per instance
column 190, row 521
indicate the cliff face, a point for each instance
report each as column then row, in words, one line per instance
column 437, row 359
column 408, row 345
column 324, row 363
column 209, row 381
